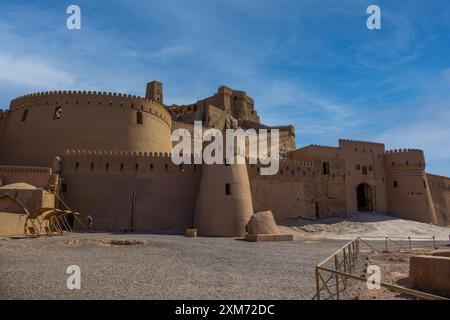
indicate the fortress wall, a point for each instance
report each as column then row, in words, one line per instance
column 38, row 177
column 313, row 151
column 88, row 120
column 102, row 184
column 440, row 193
column 299, row 190
column 364, row 164
column 408, row 191
column 2, row 119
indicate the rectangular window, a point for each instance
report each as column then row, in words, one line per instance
column 358, row 167
column 395, row 184
column 364, row 170
column 63, row 188
column 24, row 115
column 326, row 168
column 139, row 119
column 370, row 168
column 227, row 189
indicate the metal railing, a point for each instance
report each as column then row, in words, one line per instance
column 333, row 273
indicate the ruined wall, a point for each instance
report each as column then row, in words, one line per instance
column 440, row 193
column 12, row 224
column 21, row 200
column 408, row 191
column 138, row 191
column 299, row 190
column 101, row 121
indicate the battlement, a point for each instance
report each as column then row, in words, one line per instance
column 318, row 146
column 62, row 98
column 405, row 158
column 360, row 142
column 400, row 151
column 77, row 92
column 122, row 161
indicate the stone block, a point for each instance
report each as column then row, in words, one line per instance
column 431, row 274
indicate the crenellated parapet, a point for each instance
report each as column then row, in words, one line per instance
column 104, row 161
column 361, row 146
column 360, row 142
column 94, row 98
column 405, row 159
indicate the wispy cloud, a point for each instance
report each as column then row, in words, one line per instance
column 32, row 72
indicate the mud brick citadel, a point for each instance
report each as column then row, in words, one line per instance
column 108, row 155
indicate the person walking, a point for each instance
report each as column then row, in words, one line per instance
column 90, row 222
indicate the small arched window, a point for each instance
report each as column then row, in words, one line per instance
column 139, row 118
column 24, row 114
column 228, row 189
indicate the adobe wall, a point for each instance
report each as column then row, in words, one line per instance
column 36, row 176
column 299, row 190
column 407, row 186
column 88, row 120
column 12, row 224
column 364, row 163
column 224, row 202
column 361, row 162
column 2, row 119
column 440, row 193
column 31, row 199
column 123, row 191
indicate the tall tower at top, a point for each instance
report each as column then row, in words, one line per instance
column 154, row 91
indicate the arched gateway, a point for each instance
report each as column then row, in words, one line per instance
column 364, row 196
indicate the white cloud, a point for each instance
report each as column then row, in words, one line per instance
column 429, row 133
column 32, row 72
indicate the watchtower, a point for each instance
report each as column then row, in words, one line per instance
column 154, row 91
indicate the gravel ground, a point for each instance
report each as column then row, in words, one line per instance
column 160, row 267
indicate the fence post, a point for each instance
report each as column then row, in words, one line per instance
column 317, row 284
column 336, row 266
column 409, row 240
column 386, row 243
column 434, row 242
column 344, row 257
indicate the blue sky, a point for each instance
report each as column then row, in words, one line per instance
column 309, row 63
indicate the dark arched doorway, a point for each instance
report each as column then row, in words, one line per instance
column 364, row 196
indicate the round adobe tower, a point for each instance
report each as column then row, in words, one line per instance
column 41, row 125
column 224, row 202
column 407, row 186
